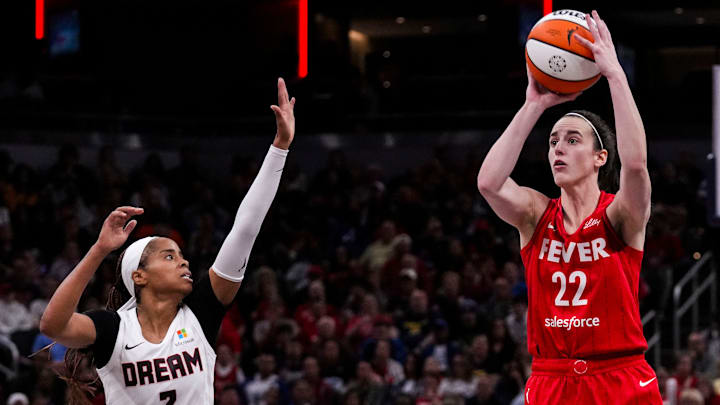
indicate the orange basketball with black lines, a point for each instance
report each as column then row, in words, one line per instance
column 556, row 59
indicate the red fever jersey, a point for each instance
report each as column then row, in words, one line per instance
column 582, row 288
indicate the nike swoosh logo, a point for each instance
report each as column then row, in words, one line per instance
column 132, row 347
column 645, row 383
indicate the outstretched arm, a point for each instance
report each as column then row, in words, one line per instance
column 60, row 321
column 630, row 210
column 229, row 267
column 518, row 206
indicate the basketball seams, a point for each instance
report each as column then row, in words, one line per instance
column 572, row 87
column 562, row 49
column 579, row 25
column 527, row 57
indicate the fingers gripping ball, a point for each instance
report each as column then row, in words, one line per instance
column 556, row 59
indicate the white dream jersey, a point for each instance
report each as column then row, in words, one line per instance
column 177, row 371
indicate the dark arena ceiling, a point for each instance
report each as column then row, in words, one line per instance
column 157, row 66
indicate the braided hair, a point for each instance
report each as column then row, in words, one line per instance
column 80, row 389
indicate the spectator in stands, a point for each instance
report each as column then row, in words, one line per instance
column 500, row 303
column 438, row 345
column 367, row 384
column 411, row 385
column 684, row 376
column 312, row 310
column 479, row 358
column 415, row 324
column 484, row 392
column 334, row 365
column 292, row 364
column 14, row 315
column 406, row 283
column 516, row 321
column 428, row 393
column 502, row 348
column 360, row 326
column 302, row 393
column 394, row 274
column 379, row 251
column 66, row 261
column 227, row 371
column 322, row 393
column 389, row 369
column 691, row 396
column 461, row 381
column 471, row 324
column 475, row 283
column 668, row 387
column 447, row 301
column 704, row 362
column 263, row 380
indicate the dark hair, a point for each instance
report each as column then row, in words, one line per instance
column 609, row 175
column 78, row 388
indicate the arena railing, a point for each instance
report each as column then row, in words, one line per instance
column 692, row 302
column 654, row 340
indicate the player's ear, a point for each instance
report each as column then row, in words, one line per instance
column 139, row 277
column 601, row 158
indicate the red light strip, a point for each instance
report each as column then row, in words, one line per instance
column 302, row 38
column 547, row 7
column 39, row 19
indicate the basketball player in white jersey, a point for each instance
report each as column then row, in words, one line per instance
column 157, row 348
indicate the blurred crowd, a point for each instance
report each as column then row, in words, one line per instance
column 362, row 288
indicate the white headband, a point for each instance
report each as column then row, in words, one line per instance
column 574, row 114
column 130, row 263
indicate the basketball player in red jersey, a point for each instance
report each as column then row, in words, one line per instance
column 582, row 251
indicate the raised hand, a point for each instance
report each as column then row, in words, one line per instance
column 114, row 231
column 602, row 48
column 284, row 117
column 537, row 93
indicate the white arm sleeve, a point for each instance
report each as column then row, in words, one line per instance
column 232, row 259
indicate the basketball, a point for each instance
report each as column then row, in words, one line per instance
column 556, row 59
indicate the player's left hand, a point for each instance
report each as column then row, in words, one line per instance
column 284, row 117
column 603, row 48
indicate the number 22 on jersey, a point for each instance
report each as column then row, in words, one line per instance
column 578, row 277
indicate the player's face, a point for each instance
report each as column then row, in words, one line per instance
column 166, row 270
column 572, row 155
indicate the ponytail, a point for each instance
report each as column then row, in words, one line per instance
column 80, row 390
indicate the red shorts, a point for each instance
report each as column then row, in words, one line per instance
column 619, row 381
